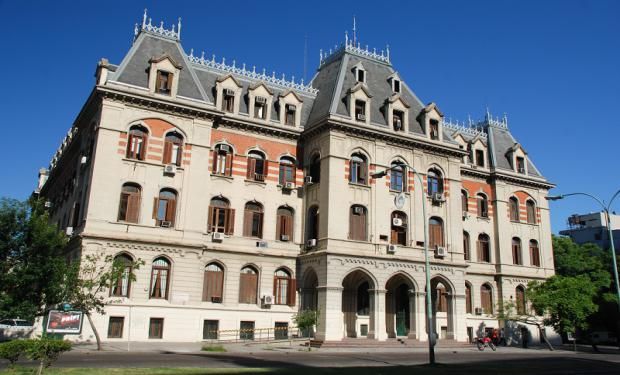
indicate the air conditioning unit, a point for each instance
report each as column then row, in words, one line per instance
column 361, row 117
column 217, row 236
column 267, row 300
column 478, row 310
column 229, row 92
column 397, row 222
column 261, row 100
column 69, row 231
column 391, row 249
column 262, row 244
column 438, row 197
column 291, row 107
column 358, row 210
column 289, row 185
column 165, row 224
column 441, row 251
column 170, row 169
column 285, row 237
column 225, row 148
column 308, row 180
column 311, row 242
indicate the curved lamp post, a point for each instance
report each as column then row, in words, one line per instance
column 429, row 303
column 611, row 236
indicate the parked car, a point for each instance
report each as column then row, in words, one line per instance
column 15, row 323
column 15, row 328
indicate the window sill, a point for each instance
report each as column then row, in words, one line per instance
column 130, row 160
column 356, row 184
column 222, row 176
column 399, row 191
column 484, row 218
column 255, row 182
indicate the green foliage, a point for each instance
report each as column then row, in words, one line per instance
column 306, row 319
column 12, row 350
column 32, row 259
column 572, row 260
column 46, row 350
column 214, row 348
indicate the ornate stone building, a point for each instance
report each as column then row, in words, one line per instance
column 250, row 197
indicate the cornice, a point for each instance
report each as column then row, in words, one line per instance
column 263, row 129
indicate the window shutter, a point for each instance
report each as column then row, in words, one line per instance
column 169, row 83
column 171, row 210
column 210, row 219
column 280, row 224
column 230, row 221
column 265, row 167
column 214, row 166
column 288, row 228
column 362, row 226
column 260, row 224
column 158, row 81
column 205, row 286
column 229, row 164
column 247, row 223
column 167, row 152
column 352, row 225
column 251, row 168
column 362, row 173
column 143, row 146
column 479, row 250
column 179, row 154
column 130, row 141
column 292, row 292
column 276, row 292
column 219, row 285
column 155, row 205
column 133, row 208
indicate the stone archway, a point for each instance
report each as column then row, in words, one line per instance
column 442, row 296
column 309, row 293
column 358, row 304
column 400, row 307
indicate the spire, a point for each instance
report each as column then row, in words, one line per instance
column 354, row 32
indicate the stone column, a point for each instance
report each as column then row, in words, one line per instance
column 413, row 314
column 377, row 315
column 330, row 324
column 421, row 319
column 450, row 315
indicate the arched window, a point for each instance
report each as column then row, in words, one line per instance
column 483, row 205
column 173, row 148
column 248, row 285
column 287, row 170
column 486, row 298
column 358, row 169
column 313, row 223
column 435, row 182
column 160, row 278
column 257, row 166
column 284, row 224
column 315, row 169
column 357, row 223
column 466, row 246
column 253, row 220
column 516, row 251
column 435, row 232
column 222, row 160
column 464, row 203
column 129, row 206
column 284, row 287
column 221, row 216
column 397, row 176
column 122, row 285
column 164, row 208
column 484, row 248
column 363, row 299
column 531, row 211
column 513, row 204
column 441, row 298
column 213, row 288
column 534, row 253
column 520, row 300
column 399, row 228
column 136, row 143
column 468, row 299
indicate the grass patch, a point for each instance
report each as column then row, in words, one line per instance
column 214, row 348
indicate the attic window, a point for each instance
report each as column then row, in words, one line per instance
column 260, row 107
column 228, row 104
column 289, row 114
column 360, row 75
column 164, row 82
column 396, row 85
column 520, row 164
column 480, row 158
column 397, row 120
column 360, row 110
column 434, row 130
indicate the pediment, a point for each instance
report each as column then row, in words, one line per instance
column 165, row 56
column 360, row 86
column 228, row 77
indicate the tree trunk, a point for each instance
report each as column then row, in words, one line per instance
column 543, row 335
column 40, row 369
column 92, row 326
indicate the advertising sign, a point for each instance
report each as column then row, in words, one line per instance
column 64, row 322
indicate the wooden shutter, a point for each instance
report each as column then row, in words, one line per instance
column 155, row 206
column 133, row 208
column 479, row 250
column 279, row 227
column 210, row 219
column 265, row 167
column 229, row 164
column 214, row 166
column 171, row 210
column 292, row 292
column 276, row 290
column 260, row 223
column 362, row 173
column 352, row 227
column 247, row 288
column 229, row 221
column 158, row 81
column 219, row 285
column 288, row 227
column 206, row 287
column 143, row 146
column 129, row 154
column 247, row 223
column 167, row 152
column 169, row 83
column 179, row 154
column 214, row 282
column 251, row 168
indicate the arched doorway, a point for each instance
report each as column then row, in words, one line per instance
column 358, row 304
column 400, row 307
column 442, row 294
column 309, row 293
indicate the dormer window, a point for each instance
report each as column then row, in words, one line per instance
column 289, row 114
column 260, row 107
column 398, row 119
column 360, row 75
column 480, row 158
column 520, row 165
column 396, row 86
column 164, row 82
column 360, row 110
column 434, row 130
column 228, row 104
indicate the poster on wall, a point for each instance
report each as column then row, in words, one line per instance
column 64, row 322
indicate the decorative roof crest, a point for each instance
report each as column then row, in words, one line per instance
column 355, row 47
column 158, row 30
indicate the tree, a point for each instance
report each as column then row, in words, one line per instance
column 507, row 311
column 88, row 280
column 32, row 259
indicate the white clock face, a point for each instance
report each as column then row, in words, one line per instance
column 399, row 201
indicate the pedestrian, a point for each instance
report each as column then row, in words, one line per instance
column 502, row 337
column 495, row 337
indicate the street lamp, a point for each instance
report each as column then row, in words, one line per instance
column 429, row 303
column 611, row 236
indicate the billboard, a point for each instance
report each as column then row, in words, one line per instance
column 64, row 322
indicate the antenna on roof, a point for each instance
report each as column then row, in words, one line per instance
column 305, row 56
column 354, row 31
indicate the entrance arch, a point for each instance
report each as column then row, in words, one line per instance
column 400, row 307
column 442, row 296
column 309, row 293
column 358, row 304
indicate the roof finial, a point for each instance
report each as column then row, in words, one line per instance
column 320, row 55
column 354, row 31
column 346, row 38
column 179, row 29
column 488, row 115
column 387, row 50
column 144, row 19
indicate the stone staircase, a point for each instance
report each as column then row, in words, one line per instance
column 389, row 343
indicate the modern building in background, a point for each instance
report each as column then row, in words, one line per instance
column 592, row 228
column 251, row 196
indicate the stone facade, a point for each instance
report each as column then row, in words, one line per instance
column 116, row 188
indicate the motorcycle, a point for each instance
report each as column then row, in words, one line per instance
column 483, row 342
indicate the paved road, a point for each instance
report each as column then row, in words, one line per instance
column 466, row 361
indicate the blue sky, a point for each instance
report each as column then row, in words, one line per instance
column 552, row 66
